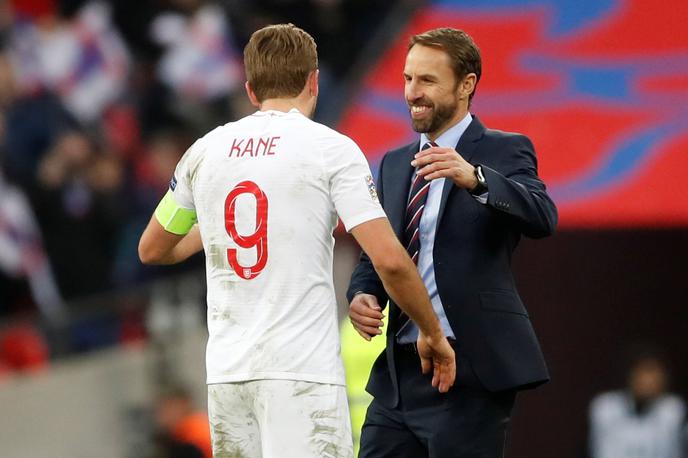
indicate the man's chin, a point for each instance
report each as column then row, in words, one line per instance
column 421, row 127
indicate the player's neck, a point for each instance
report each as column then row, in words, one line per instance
column 283, row 105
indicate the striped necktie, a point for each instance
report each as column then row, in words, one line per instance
column 411, row 236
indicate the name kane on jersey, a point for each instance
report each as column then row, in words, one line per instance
column 253, row 147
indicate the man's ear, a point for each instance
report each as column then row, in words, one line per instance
column 251, row 95
column 467, row 86
column 313, row 81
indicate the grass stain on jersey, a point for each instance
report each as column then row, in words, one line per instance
column 227, row 285
column 217, row 257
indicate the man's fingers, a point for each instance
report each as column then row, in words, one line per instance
column 436, row 375
column 370, row 330
column 368, row 325
column 447, row 376
column 363, row 334
column 433, row 159
column 435, row 151
column 425, row 364
column 371, row 318
column 436, row 167
column 362, row 321
column 425, row 159
column 365, row 311
column 440, row 377
column 445, row 173
column 370, row 301
column 450, row 377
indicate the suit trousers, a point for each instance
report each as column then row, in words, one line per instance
column 466, row 422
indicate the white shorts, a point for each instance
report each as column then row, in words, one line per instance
column 279, row 419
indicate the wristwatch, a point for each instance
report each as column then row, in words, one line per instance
column 481, row 188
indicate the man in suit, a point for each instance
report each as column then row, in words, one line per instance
column 459, row 198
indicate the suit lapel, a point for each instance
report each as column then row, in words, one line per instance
column 397, row 182
column 466, row 147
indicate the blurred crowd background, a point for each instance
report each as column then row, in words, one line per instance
column 99, row 100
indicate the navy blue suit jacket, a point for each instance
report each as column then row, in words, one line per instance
column 472, row 256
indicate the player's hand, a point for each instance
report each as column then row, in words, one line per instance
column 439, row 162
column 437, row 355
column 366, row 315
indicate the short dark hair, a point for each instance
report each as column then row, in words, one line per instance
column 463, row 53
column 278, row 59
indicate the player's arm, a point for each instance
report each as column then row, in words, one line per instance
column 171, row 236
column 157, row 246
column 405, row 287
column 398, row 273
column 366, row 293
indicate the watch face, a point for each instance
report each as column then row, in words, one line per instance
column 479, row 175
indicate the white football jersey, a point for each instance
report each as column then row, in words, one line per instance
column 267, row 190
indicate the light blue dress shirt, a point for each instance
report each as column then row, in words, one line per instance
column 427, row 226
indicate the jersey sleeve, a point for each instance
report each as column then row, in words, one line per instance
column 181, row 182
column 352, row 187
column 176, row 212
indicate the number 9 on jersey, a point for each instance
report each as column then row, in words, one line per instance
column 259, row 238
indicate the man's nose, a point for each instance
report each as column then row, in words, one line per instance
column 413, row 92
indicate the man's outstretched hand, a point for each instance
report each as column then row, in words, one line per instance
column 437, row 355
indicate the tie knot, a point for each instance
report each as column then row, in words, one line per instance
column 428, row 145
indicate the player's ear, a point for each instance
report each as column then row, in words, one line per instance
column 252, row 95
column 313, row 79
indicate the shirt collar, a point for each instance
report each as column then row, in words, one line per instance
column 450, row 138
column 275, row 112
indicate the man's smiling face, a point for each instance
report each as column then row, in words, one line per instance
column 431, row 90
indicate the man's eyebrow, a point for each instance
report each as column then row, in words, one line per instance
column 424, row 76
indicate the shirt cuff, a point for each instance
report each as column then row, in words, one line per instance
column 482, row 198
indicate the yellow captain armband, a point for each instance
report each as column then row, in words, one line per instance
column 173, row 218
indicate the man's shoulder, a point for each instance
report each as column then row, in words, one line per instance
column 504, row 136
column 505, row 141
column 402, row 150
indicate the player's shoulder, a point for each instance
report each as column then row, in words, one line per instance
column 328, row 138
column 223, row 130
column 197, row 153
column 199, row 146
column 217, row 136
column 325, row 132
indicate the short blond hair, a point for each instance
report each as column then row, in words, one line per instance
column 278, row 59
